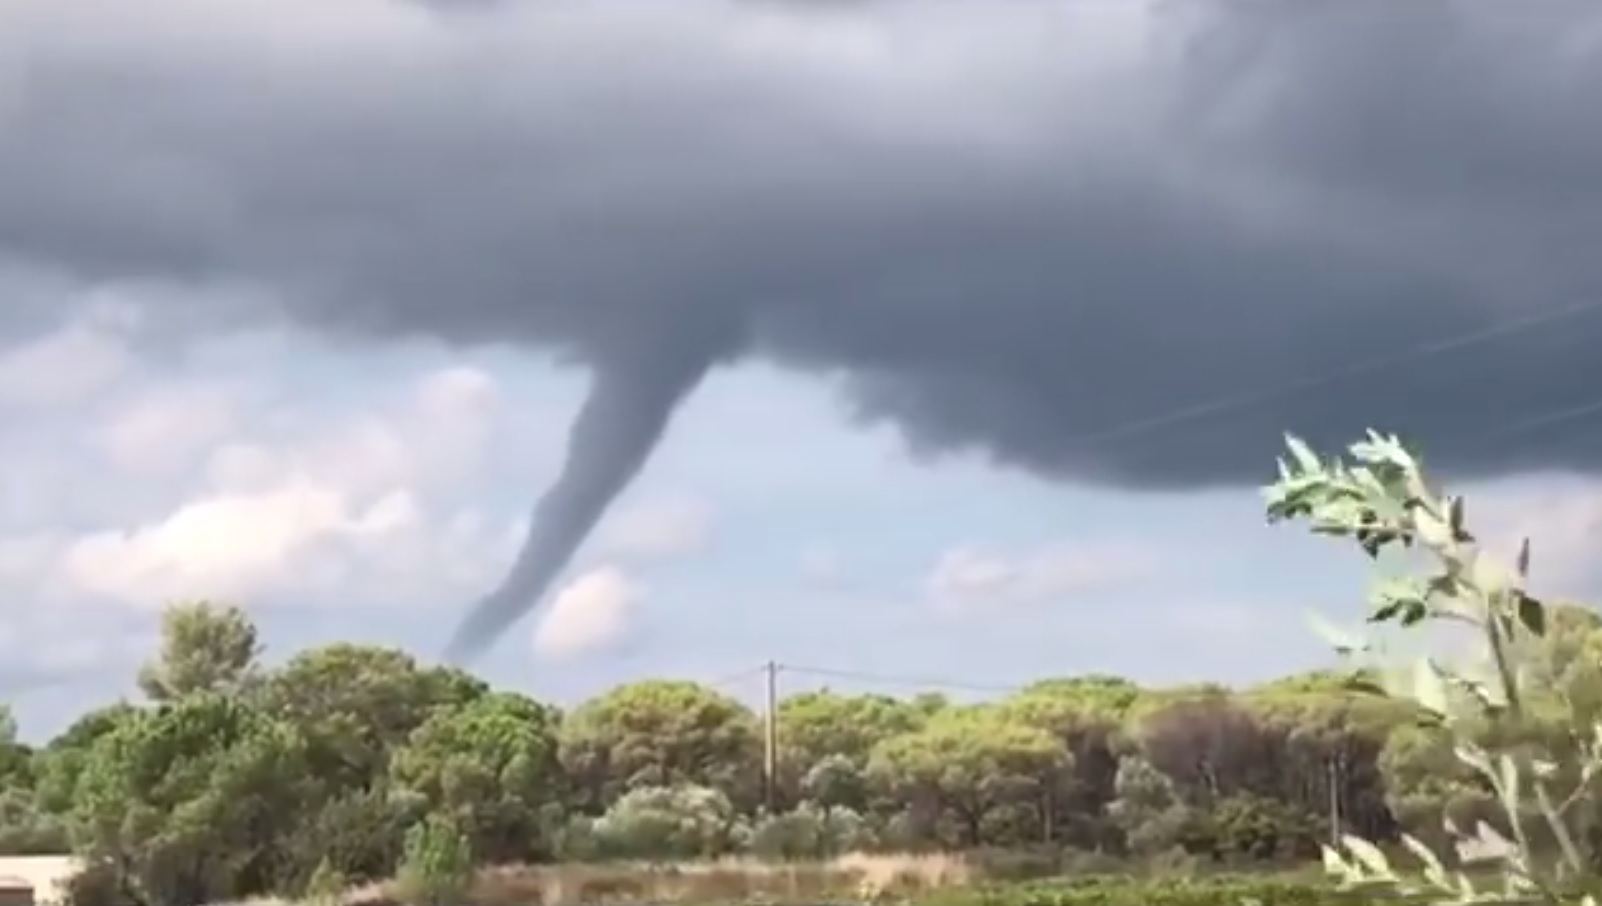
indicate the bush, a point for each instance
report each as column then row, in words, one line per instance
column 326, row 886
column 436, row 865
column 809, row 832
column 680, row 822
column 98, row 884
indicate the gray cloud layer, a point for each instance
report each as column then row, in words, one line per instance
column 1011, row 225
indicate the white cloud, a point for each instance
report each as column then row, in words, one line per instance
column 231, row 546
column 972, row 577
column 590, row 614
column 658, row 529
column 270, row 498
column 163, row 429
column 297, row 541
column 67, row 366
column 242, row 467
column 432, row 440
column 451, row 419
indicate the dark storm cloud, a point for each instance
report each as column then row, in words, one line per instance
column 1016, row 228
column 1014, row 225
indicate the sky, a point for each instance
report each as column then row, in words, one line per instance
column 989, row 319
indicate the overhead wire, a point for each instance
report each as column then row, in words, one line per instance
column 1245, row 399
column 1242, row 400
column 729, row 679
column 1545, row 419
column 898, row 680
column 1449, row 343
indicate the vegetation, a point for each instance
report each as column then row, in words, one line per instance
column 350, row 764
column 1526, row 743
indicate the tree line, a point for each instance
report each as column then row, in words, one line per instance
column 231, row 778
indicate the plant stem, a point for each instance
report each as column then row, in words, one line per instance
column 1560, row 830
column 1504, row 670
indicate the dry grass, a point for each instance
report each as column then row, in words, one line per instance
column 854, row 877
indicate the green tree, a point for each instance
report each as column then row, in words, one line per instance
column 836, row 782
column 359, row 833
column 190, row 800
column 1086, row 715
column 59, row 765
column 357, row 704
column 815, row 726
column 963, row 767
column 204, row 648
column 1328, row 744
column 1146, row 807
column 492, row 767
column 26, row 829
column 437, row 865
column 661, row 734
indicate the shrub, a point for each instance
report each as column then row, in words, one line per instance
column 98, row 884
column 326, row 886
column 680, row 822
column 436, row 864
column 809, row 832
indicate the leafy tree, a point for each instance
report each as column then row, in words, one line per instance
column 26, row 829
column 59, row 766
column 661, row 734
column 359, row 833
column 827, row 725
column 204, row 648
column 1086, row 716
column 966, row 765
column 189, row 800
column 356, row 704
column 1259, row 827
column 1146, row 807
column 835, row 782
column 1331, row 742
column 490, row 765
column 437, row 866
column 1210, row 743
column 1098, row 694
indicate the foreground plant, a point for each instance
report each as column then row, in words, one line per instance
column 436, row 865
column 1380, row 498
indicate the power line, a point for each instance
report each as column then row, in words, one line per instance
column 896, row 680
column 1244, row 399
column 1546, row 419
column 730, row 679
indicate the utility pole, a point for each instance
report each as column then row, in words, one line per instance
column 770, row 738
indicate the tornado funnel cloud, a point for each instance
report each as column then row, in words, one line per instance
column 628, row 408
